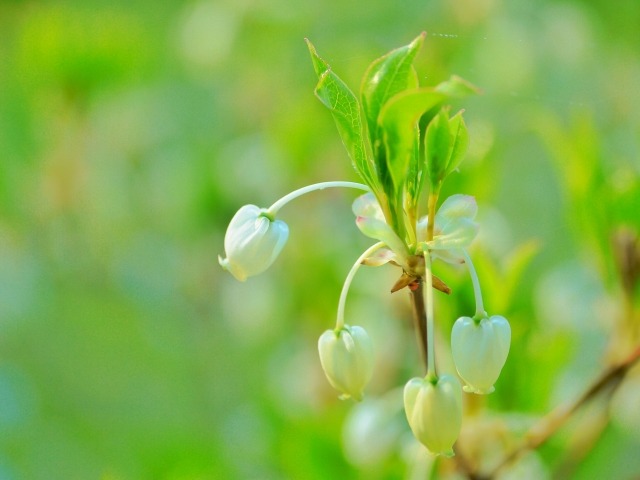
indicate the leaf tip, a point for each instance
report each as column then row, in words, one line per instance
column 309, row 44
column 417, row 42
column 319, row 65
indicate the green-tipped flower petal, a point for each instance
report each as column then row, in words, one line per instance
column 434, row 412
column 252, row 242
column 480, row 351
column 454, row 227
column 347, row 359
column 370, row 220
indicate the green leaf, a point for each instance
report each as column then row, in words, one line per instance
column 385, row 77
column 399, row 122
column 438, row 146
column 460, row 142
column 344, row 107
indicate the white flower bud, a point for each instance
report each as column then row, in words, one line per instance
column 347, row 359
column 434, row 412
column 252, row 242
column 480, row 350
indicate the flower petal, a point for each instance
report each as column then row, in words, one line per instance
column 459, row 233
column 454, row 226
column 378, row 229
column 252, row 242
column 453, row 256
column 480, row 350
column 380, row 257
column 367, row 206
column 434, row 412
column 347, row 359
column 370, row 220
column 457, row 206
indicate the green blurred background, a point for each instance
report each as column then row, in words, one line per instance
column 130, row 132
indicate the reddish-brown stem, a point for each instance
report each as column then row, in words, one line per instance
column 420, row 319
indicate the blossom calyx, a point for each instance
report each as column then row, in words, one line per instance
column 346, row 355
column 253, row 241
column 480, row 350
column 434, row 412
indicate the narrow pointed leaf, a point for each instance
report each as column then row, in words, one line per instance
column 344, row 106
column 386, row 77
column 438, row 147
column 460, row 142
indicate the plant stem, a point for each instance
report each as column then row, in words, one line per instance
column 273, row 209
column 349, row 279
column 420, row 320
column 480, row 312
column 424, row 320
column 431, row 354
column 431, row 212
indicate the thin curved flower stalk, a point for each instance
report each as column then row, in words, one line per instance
column 403, row 142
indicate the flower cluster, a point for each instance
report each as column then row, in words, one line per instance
column 400, row 137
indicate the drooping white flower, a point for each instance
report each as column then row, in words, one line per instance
column 252, row 243
column 434, row 412
column 480, row 351
column 347, row 359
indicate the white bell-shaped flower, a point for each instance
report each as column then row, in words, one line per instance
column 434, row 412
column 480, row 351
column 347, row 359
column 252, row 243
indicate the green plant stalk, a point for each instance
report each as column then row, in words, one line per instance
column 424, row 328
column 432, row 374
column 272, row 211
column 431, row 209
column 347, row 283
column 480, row 312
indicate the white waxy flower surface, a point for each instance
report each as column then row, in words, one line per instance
column 434, row 412
column 252, row 242
column 480, row 351
column 347, row 359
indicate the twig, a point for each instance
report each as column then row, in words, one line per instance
column 420, row 319
column 550, row 424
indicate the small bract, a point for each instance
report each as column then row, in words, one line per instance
column 434, row 412
column 252, row 243
column 347, row 359
column 480, row 351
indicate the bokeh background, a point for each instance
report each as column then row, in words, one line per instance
column 130, row 133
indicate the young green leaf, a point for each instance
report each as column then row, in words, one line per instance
column 399, row 123
column 438, row 146
column 385, row 77
column 460, row 141
column 344, row 107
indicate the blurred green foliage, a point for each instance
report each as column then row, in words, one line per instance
column 131, row 132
